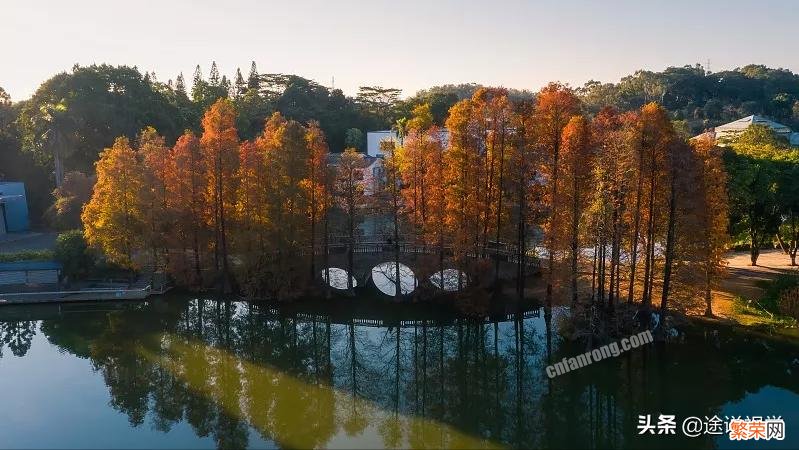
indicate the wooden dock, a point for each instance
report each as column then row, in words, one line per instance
column 83, row 295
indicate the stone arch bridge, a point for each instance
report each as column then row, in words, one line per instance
column 424, row 260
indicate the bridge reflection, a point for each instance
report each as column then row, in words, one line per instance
column 359, row 312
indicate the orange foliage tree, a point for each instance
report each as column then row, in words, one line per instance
column 555, row 105
column 189, row 206
column 316, row 185
column 462, row 183
column 114, row 218
column 155, row 156
column 349, row 195
column 220, row 143
column 577, row 162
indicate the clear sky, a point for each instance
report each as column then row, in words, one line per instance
column 409, row 44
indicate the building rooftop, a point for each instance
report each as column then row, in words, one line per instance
column 745, row 122
column 730, row 130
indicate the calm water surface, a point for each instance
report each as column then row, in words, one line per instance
column 181, row 372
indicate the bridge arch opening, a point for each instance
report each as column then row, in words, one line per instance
column 338, row 278
column 384, row 277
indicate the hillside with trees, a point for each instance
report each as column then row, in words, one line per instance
column 704, row 99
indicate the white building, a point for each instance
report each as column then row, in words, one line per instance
column 374, row 138
column 372, row 172
column 728, row 131
column 374, row 175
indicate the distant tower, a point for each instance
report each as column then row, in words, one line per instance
column 707, row 67
column 333, row 82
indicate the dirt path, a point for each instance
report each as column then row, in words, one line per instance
column 742, row 279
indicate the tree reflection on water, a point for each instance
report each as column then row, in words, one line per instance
column 306, row 380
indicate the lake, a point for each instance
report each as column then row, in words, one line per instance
column 178, row 371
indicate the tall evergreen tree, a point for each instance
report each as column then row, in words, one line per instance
column 239, row 85
column 198, row 85
column 213, row 75
column 180, row 84
column 253, row 81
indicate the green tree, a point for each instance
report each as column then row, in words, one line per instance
column 73, row 116
column 753, row 177
column 73, row 253
column 69, row 200
column 354, row 138
column 788, row 201
column 253, row 80
column 380, row 102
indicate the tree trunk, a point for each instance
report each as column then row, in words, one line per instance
column 350, row 247
column 614, row 257
column 500, row 182
column 313, row 231
column 226, row 287
column 601, row 269
column 58, row 164
column 669, row 245
column 754, row 247
column 574, row 239
column 708, row 296
column 325, row 256
column 395, row 215
column 196, row 248
column 521, row 251
column 636, row 226
column 792, row 246
column 553, row 215
column 594, row 272
column 649, row 262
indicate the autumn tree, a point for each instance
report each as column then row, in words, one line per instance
column 492, row 118
column 555, row 105
column 607, row 208
column 252, row 219
column 316, row 186
column 156, row 160
column 113, row 220
column 525, row 187
column 219, row 143
column 389, row 201
column 713, row 212
column 679, row 161
column 434, row 228
column 188, row 203
column 655, row 135
column 422, row 174
column 285, row 150
column 349, row 195
column 413, row 154
column 576, row 165
column 461, row 168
